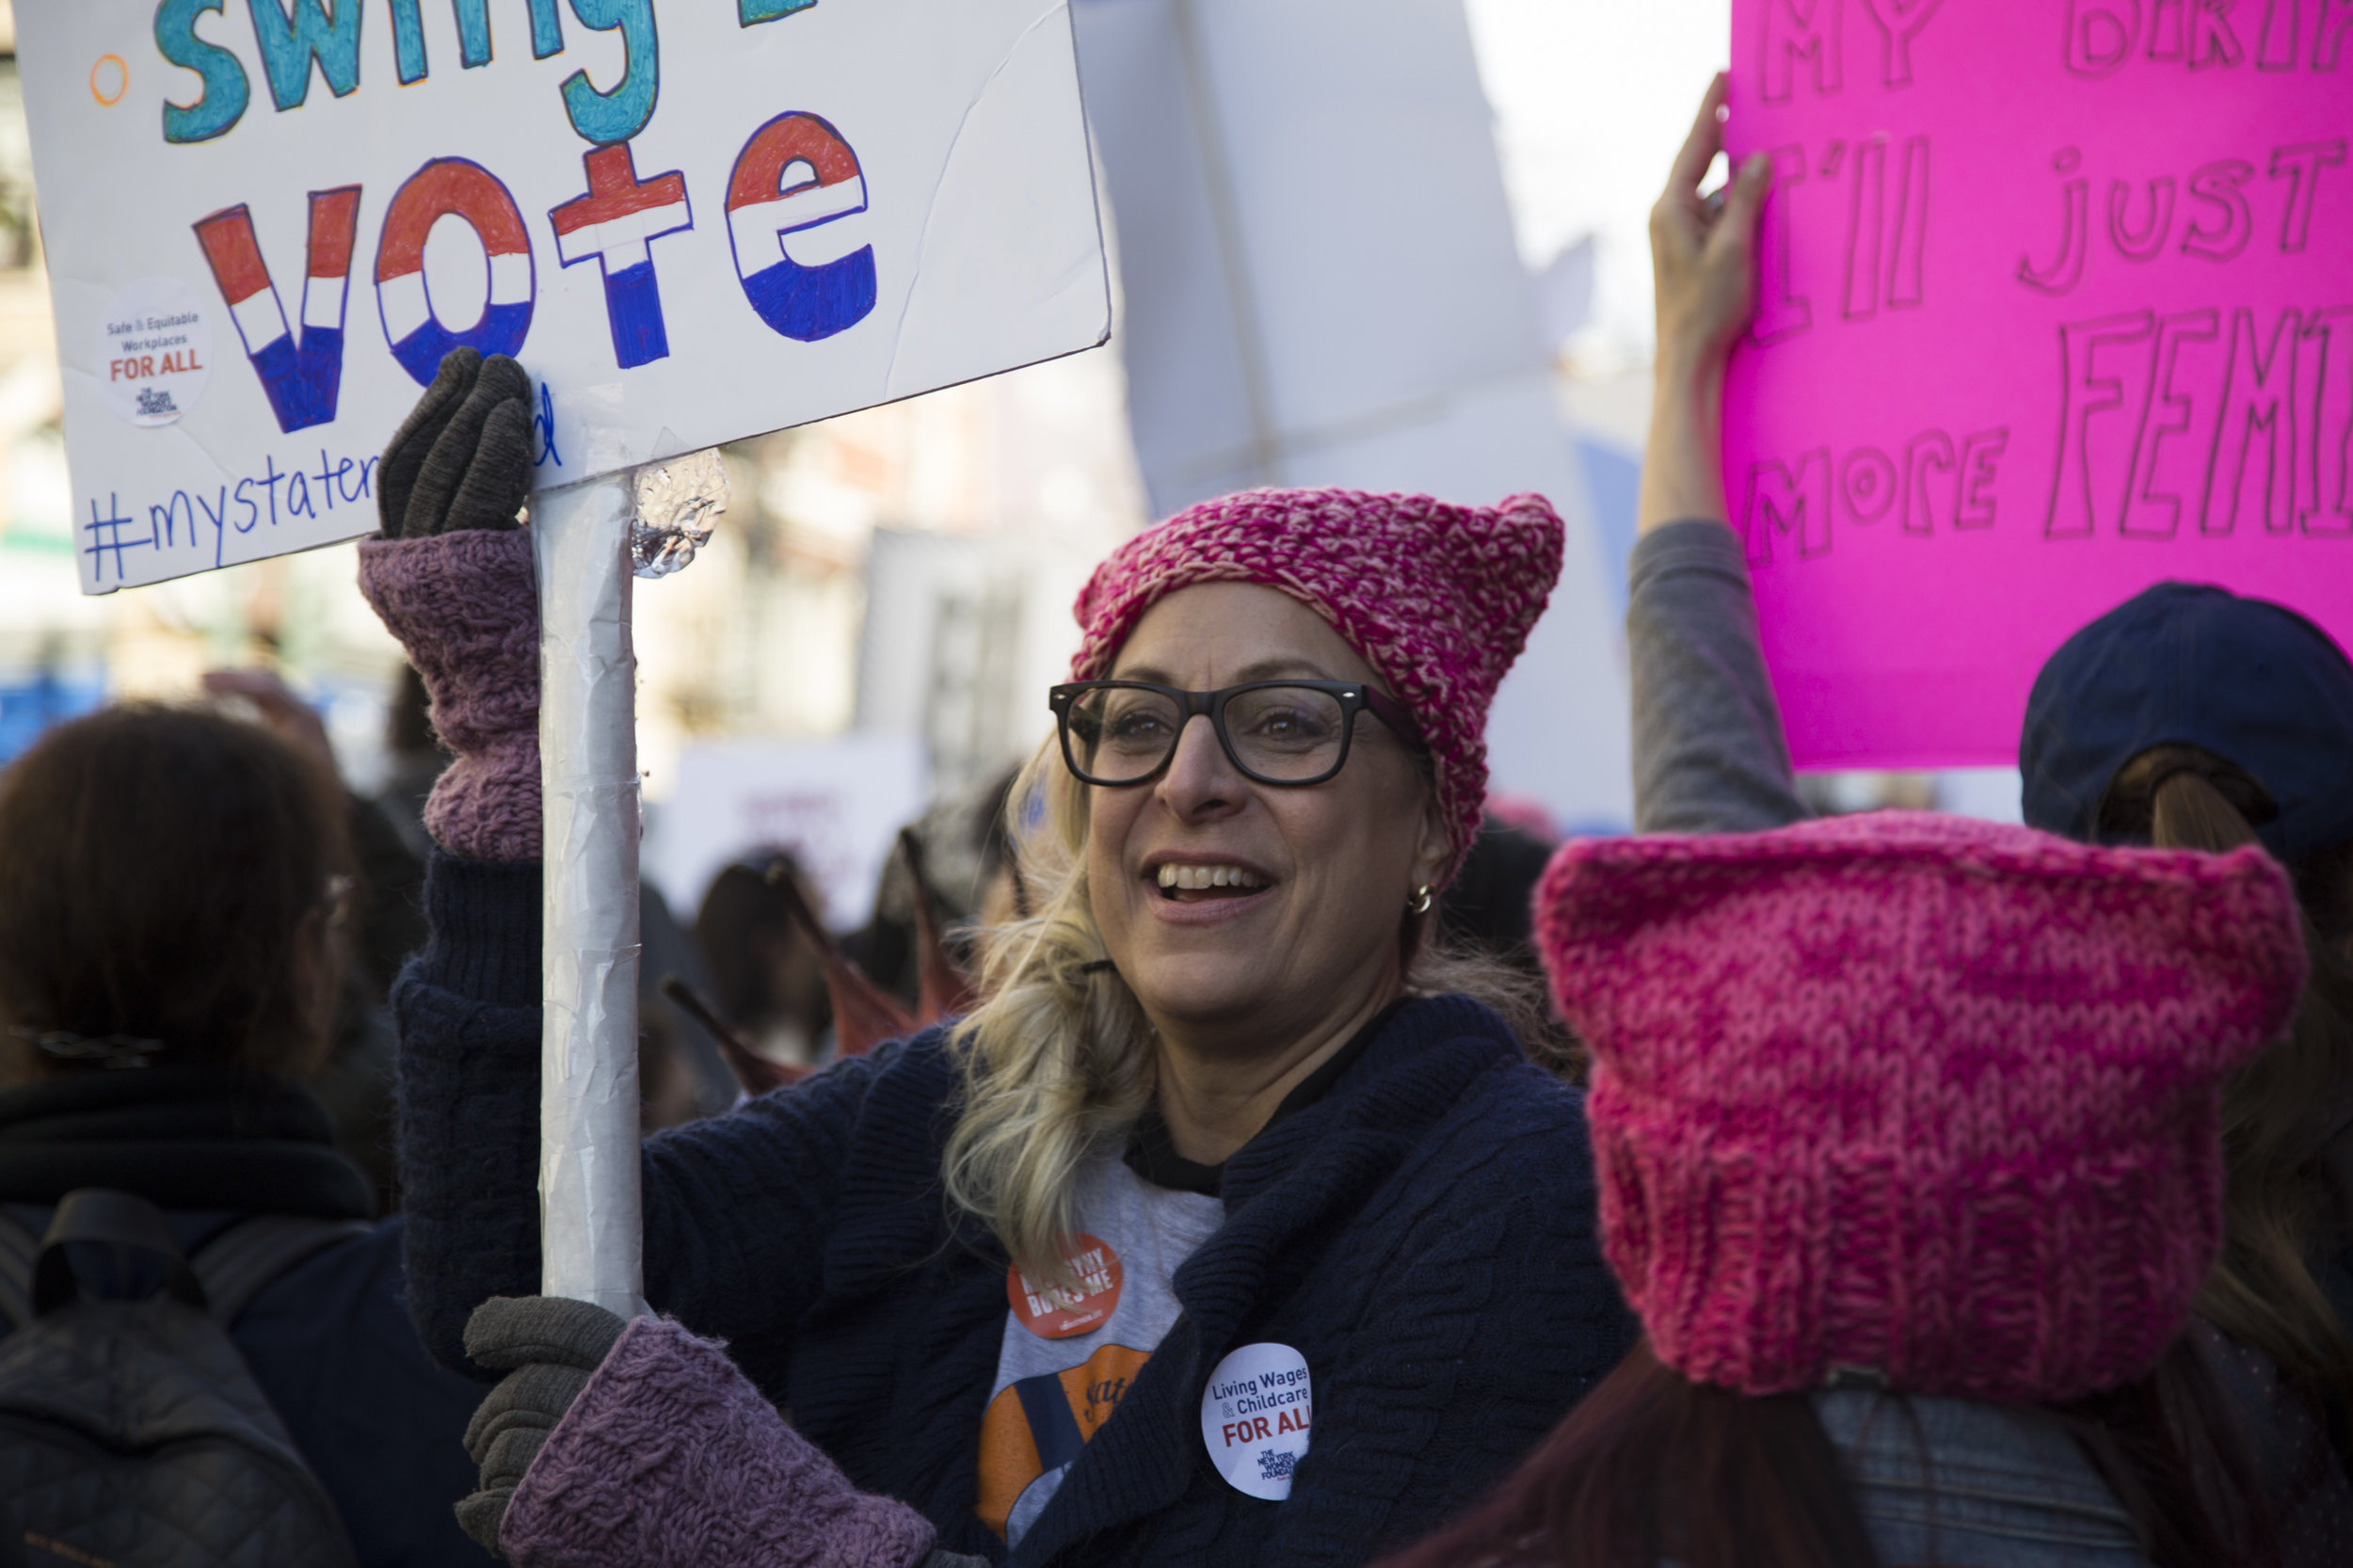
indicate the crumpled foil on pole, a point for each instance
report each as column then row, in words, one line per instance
column 592, row 1232
column 678, row 501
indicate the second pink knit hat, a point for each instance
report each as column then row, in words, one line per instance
column 1438, row 599
column 1913, row 1094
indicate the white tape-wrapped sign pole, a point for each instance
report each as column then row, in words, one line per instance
column 591, row 1233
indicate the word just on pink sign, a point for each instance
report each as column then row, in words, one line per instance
column 2054, row 301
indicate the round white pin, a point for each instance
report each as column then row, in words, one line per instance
column 154, row 351
column 1254, row 1415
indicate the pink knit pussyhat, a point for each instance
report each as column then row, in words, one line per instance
column 1438, row 599
column 1913, row 1094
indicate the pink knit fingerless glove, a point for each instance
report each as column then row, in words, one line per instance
column 670, row 1458
column 466, row 607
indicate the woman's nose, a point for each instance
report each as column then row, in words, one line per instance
column 1201, row 778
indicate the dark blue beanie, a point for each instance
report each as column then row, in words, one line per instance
column 2247, row 680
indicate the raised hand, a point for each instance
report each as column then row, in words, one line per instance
column 452, row 578
column 462, row 457
column 1704, row 266
column 1703, row 260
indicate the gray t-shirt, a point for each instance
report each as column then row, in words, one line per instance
column 1068, row 1361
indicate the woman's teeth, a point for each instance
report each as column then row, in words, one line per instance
column 1198, row 878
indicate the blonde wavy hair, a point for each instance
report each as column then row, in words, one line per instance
column 1058, row 1059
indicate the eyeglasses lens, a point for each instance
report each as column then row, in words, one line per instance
column 1118, row 735
column 1286, row 732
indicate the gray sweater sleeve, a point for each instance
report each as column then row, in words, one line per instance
column 1708, row 752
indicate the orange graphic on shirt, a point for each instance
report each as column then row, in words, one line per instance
column 1038, row 1425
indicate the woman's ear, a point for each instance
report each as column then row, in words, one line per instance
column 1434, row 846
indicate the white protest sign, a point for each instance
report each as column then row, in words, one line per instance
column 1254, row 1415
column 837, row 806
column 692, row 220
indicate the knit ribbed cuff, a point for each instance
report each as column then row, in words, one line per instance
column 669, row 1458
column 485, row 917
column 465, row 606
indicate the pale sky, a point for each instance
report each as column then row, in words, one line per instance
column 1591, row 99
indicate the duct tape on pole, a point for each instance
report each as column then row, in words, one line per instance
column 591, row 1229
column 589, row 542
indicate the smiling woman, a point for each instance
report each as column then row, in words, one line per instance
column 1248, row 891
column 1212, row 1157
column 1244, row 829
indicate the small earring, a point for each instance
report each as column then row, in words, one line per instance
column 1419, row 903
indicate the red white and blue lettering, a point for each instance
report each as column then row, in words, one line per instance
column 614, row 224
column 795, row 175
column 445, row 188
column 301, row 378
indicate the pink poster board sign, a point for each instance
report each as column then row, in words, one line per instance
column 2054, row 301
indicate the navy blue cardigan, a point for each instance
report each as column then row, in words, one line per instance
column 1424, row 1233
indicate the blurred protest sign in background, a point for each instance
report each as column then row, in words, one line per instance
column 834, row 805
column 1322, row 287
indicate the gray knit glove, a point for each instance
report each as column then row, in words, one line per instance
column 552, row 1346
column 462, row 457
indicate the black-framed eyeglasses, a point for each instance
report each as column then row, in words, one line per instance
column 1288, row 732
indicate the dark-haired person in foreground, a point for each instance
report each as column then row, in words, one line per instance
column 2188, row 717
column 170, row 890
